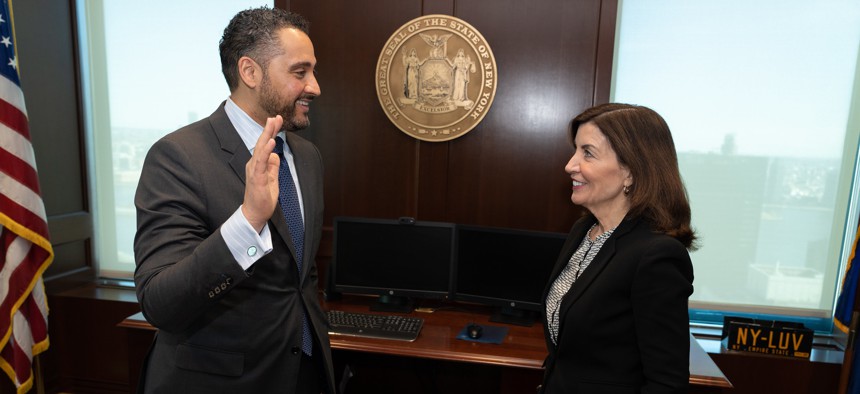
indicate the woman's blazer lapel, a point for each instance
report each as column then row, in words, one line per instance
column 596, row 267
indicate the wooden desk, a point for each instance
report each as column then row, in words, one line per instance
column 452, row 365
column 703, row 371
column 524, row 347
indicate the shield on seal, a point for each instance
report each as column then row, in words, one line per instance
column 436, row 77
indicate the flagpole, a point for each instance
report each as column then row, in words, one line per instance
column 37, row 375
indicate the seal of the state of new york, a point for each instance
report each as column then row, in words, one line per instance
column 436, row 78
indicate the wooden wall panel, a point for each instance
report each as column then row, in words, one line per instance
column 433, row 157
column 370, row 166
column 508, row 171
column 89, row 350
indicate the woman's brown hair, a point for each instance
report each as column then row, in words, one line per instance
column 642, row 140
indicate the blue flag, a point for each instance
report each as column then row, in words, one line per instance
column 845, row 306
column 848, row 294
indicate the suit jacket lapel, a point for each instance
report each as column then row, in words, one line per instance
column 597, row 266
column 574, row 238
column 230, row 141
column 591, row 272
column 233, row 144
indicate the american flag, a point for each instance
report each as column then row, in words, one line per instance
column 25, row 248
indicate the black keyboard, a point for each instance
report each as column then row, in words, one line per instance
column 369, row 325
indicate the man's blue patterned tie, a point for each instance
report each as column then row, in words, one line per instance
column 289, row 199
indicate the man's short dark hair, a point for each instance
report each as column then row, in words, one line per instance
column 253, row 33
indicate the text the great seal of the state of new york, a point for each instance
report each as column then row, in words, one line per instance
column 436, row 78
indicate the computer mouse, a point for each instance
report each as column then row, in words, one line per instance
column 474, row 331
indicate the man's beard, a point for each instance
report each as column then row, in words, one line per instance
column 276, row 105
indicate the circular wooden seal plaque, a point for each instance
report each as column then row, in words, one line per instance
column 436, row 78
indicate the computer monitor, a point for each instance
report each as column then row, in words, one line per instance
column 397, row 260
column 506, row 268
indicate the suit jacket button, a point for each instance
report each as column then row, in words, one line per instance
column 295, row 350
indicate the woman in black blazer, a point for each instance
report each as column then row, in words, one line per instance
column 616, row 303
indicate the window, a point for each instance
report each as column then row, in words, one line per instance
column 761, row 98
column 758, row 96
column 148, row 69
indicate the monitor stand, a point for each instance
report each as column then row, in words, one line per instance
column 520, row 317
column 390, row 303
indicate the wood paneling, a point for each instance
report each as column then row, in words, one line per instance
column 508, row 171
column 751, row 373
column 370, row 166
column 88, row 351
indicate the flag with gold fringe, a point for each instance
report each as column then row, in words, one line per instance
column 845, row 311
column 848, row 293
column 25, row 248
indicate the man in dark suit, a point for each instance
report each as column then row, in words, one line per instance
column 225, row 261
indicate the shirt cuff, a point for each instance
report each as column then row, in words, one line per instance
column 244, row 243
